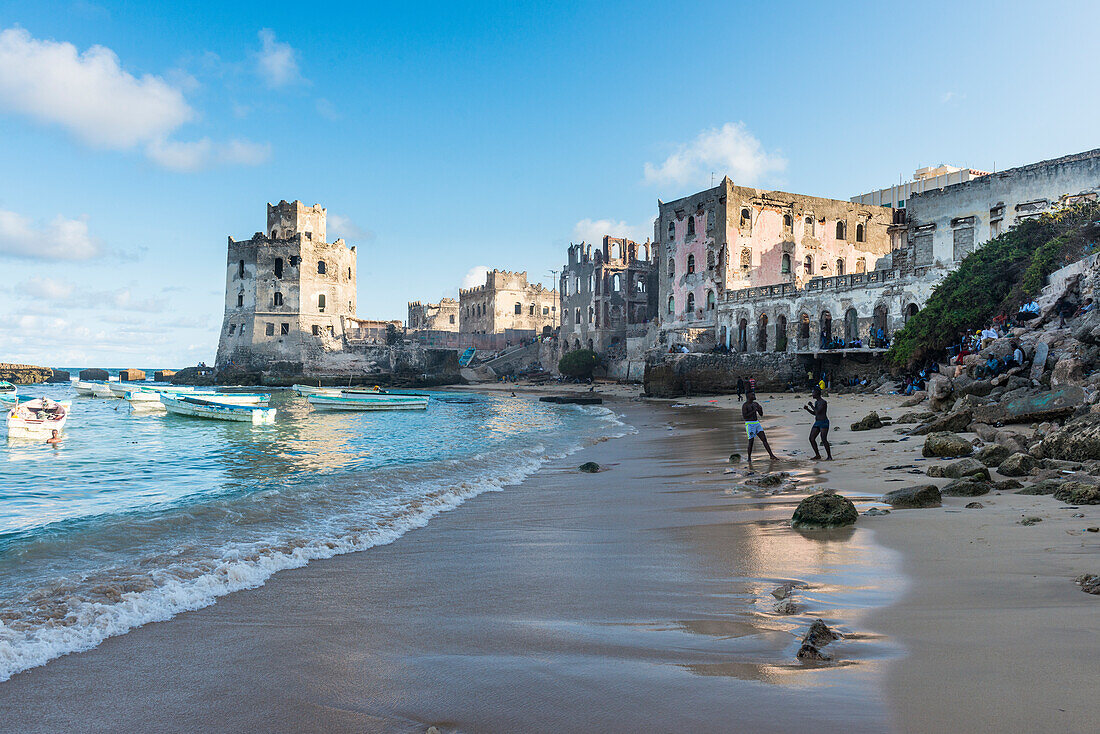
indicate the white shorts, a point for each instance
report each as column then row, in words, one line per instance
column 752, row 428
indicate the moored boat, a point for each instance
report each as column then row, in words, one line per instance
column 305, row 390
column 86, row 387
column 216, row 409
column 37, row 419
column 386, row 401
column 6, row 387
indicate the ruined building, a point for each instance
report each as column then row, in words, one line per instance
column 507, row 302
column 442, row 316
column 607, row 295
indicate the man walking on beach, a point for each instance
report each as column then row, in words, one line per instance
column 819, row 409
column 751, row 412
column 740, row 387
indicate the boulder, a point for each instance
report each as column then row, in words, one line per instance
column 1068, row 371
column 1015, row 442
column 915, row 417
column 589, row 467
column 939, row 391
column 958, row 420
column 867, row 422
column 993, row 455
column 59, row 376
column 1089, row 583
column 809, row 652
column 975, row 506
column 1006, row 485
column 1028, row 407
column 819, row 634
column 1078, row 493
column 984, row 431
column 968, row 487
column 923, row 495
column 785, row 606
column 93, row 374
column 1017, row 465
column 965, row 385
column 773, row 479
column 965, row 468
column 916, row 398
column 946, row 444
column 1047, row 486
column 824, row 511
column 1078, row 440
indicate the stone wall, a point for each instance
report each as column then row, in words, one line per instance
column 24, row 374
column 507, row 301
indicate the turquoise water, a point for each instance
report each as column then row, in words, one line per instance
column 134, row 518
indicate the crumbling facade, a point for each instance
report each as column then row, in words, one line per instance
column 442, row 316
column 507, row 302
column 607, row 295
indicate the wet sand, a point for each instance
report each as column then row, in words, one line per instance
column 633, row 600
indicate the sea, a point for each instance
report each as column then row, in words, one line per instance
column 136, row 518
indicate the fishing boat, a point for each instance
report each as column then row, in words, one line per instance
column 7, row 393
column 305, row 390
column 37, row 419
column 386, row 401
column 87, row 387
column 6, row 387
column 216, row 409
column 119, row 389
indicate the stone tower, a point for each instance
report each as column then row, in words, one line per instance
column 287, row 293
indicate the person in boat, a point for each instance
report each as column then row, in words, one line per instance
column 55, row 438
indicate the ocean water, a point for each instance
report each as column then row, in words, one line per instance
column 134, row 518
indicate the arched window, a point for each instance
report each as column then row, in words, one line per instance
column 643, row 252
column 240, row 269
column 860, row 235
column 671, row 267
column 691, row 303
column 591, row 314
column 691, row 264
column 710, row 260
column 616, row 283
column 911, row 311
column 746, row 217
column 240, row 299
column 746, row 259
column 840, row 266
column 320, row 267
column 616, row 251
column 804, row 326
column 785, row 264
column 810, row 224
column 278, row 267
column 808, row 265
column 519, row 309
column 861, row 265
column 277, row 299
column 787, row 221
column 451, row 317
column 691, row 226
column 672, row 230
column 321, row 303
column 840, row 230
column 710, row 300
column 671, row 304
column 592, row 283
column 576, row 316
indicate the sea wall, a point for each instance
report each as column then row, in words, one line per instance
column 24, row 374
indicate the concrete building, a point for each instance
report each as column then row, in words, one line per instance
column 607, row 295
column 732, row 237
column 442, row 316
column 930, row 178
column 507, row 302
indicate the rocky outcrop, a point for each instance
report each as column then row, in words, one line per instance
column 1078, row 440
column 824, row 511
column 818, row 636
column 967, row 487
column 24, row 374
column 1030, row 408
column 915, row 417
column 924, row 495
column 1047, row 486
column 962, row 468
column 993, row 455
column 1017, row 465
column 1078, row 493
column 955, row 421
column 868, row 422
column 946, row 444
column 1068, row 371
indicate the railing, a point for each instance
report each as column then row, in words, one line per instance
column 816, row 285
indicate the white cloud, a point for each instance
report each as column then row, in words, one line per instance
column 951, row 97
column 730, row 150
column 593, row 230
column 124, row 300
column 341, row 226
column 89, row 94
column 49, row 289
column 277, row 62
column 201, row 154
column 475, row 276
column 328, row 110
column 59, row 239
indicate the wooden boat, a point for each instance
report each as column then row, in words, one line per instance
column 119, row 389
column 7, row 393
column 387, row 401
column 86, row 387
column 305, row 390
column 6, row 387
column 37, row 419
column 203, row 407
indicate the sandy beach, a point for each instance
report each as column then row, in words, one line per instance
column 635, row 599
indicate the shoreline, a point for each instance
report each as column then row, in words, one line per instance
column 636, row 598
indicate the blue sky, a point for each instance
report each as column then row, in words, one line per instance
column 444, row 137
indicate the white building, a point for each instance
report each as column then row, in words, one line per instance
column 929, row 178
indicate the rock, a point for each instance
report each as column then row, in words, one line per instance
column 1039, row 361
column 1078, row 493
column 735, row 458
column 993, row 455
column 824, row 511
column 965, row 385
column 809, row 652
column 1017, row 465
column 784, row 590
column 589, row 467
column 924, row 495
column 965, row 468
column 946, row 444
column 1077, row 440
column 1015, row 442
column 785, row 606
column 93, row 374
column 819, row 634
column 1047, row 486
column 1049, row 405
column 975, row 506
column 773, row 479
column 1089, row 583
column 939, row 391
column 432, row 730
column 967, row 487
column 1093, row 529
column 1068, row 371
column 867, row 422
column 1007, row 484
column 571, row 400
column 1031, row 520
column 916, row 398
column 915, row 417
column 958, row 420
column 984, row 431
column 876, row 511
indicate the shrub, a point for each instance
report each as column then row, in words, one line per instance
column 578, row 363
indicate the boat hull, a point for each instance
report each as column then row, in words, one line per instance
column 375, row 402
column 37, row 419
column 219, row 411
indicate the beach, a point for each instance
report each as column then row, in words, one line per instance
column 635, row 599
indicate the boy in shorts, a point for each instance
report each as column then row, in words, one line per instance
column 751, row 412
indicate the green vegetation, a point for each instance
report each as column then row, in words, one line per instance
column 578, row 363
column 996, row 279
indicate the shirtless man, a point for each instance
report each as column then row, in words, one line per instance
column 751, row 412
column 55, row 438
column 819, row 409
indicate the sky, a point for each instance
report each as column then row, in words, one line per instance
column 448, row 138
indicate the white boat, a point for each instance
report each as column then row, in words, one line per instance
column 7, row 393
column 305, row 390
column 382, row 401
column 87, row 387
column 6, row 387
column 102, row 390
column 119, row 389
column 201, row 407
column 37, row 419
